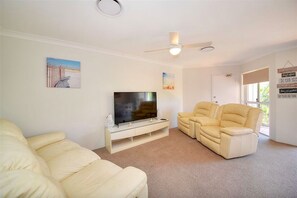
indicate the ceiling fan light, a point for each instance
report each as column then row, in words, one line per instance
column 175, row 50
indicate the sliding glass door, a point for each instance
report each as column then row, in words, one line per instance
column 257, row 95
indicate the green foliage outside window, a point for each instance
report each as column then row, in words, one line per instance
column 264, row 97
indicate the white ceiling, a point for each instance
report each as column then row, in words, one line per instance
column 240, row 30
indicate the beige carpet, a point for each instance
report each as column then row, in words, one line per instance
column 179, row 166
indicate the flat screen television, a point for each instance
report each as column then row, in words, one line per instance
column 132, row 106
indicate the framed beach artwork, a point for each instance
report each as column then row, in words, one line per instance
column 168, row 81
column 63, row 73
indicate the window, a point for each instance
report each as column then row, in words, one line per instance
column 256, row 94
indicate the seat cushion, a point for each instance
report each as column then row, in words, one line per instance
column 233, row 131
column 53, row 150
column 212, row 133
column 71, row 162
column 85, row 182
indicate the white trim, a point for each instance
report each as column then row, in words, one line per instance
column 63, row 43
column 251, row 102
column 218, row 65
column 250, row 71
column 268, row 53
column 272, row 52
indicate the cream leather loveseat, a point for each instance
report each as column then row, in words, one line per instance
column 51, row 166
column 234, row 132
column 207, row 109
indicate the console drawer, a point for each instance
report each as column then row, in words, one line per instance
column 122, row 134
column 158, row 126
column 140, row 131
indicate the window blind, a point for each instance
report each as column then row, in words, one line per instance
column 261, row 75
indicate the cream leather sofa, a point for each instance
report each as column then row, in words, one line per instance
column 207, row 109
column 234, row 132
column 49, row 165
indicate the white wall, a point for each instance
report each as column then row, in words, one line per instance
column 0, row 76
column 283, row 122
column 197, row 83
column 79, row 112
column 286, row 109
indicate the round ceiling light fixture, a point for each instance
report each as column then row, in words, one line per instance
column 207, row 48
column 109, row 7
column 175, row 49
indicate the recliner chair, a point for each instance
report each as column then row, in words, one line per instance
column 202, row 109
column 234, row 132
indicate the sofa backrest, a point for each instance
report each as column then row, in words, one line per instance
column 238, row 115
column 9, row 128
column 22, row 172
column 207, row 109
column 234, row 115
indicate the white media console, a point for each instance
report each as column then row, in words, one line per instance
column 133, row 134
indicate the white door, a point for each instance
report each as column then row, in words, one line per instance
column 225, row 89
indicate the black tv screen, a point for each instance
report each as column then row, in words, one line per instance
column 132, row 106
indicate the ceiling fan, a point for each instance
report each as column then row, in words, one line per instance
column 175, row 46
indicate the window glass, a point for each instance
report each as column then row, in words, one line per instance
column 252, row 94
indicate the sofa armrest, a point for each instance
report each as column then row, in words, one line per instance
column 205, row 121
column 42, row 140
column 185, row 114
column 127, row 183
column 235, row 131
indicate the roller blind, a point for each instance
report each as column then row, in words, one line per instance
column 261, row 75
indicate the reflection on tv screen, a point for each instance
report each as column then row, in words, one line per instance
column 132, row 106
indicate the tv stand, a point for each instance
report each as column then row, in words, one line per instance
column 129, row 135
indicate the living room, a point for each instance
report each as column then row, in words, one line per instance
column 112, row 60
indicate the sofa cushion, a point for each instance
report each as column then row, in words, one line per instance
column 234, row 115
column 137, row 183
column 43, row 166
column 71, row 162
column 25, row 183
column 233, row 131
column 185, row 114
column 202, row 112
column 205, row 121
column 213, row 131
column 185, row 122
column 102, row 177
column 86, row 181
column 203, row 109
column 53, row 150
column 9, row 128
column 15, row 155
column 42, row 140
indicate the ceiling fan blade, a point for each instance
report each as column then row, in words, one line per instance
column 196, row 45
column 157, row 50
column 174, row 38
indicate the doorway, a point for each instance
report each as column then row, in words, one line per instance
column 256, row 94
column 225, row 89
